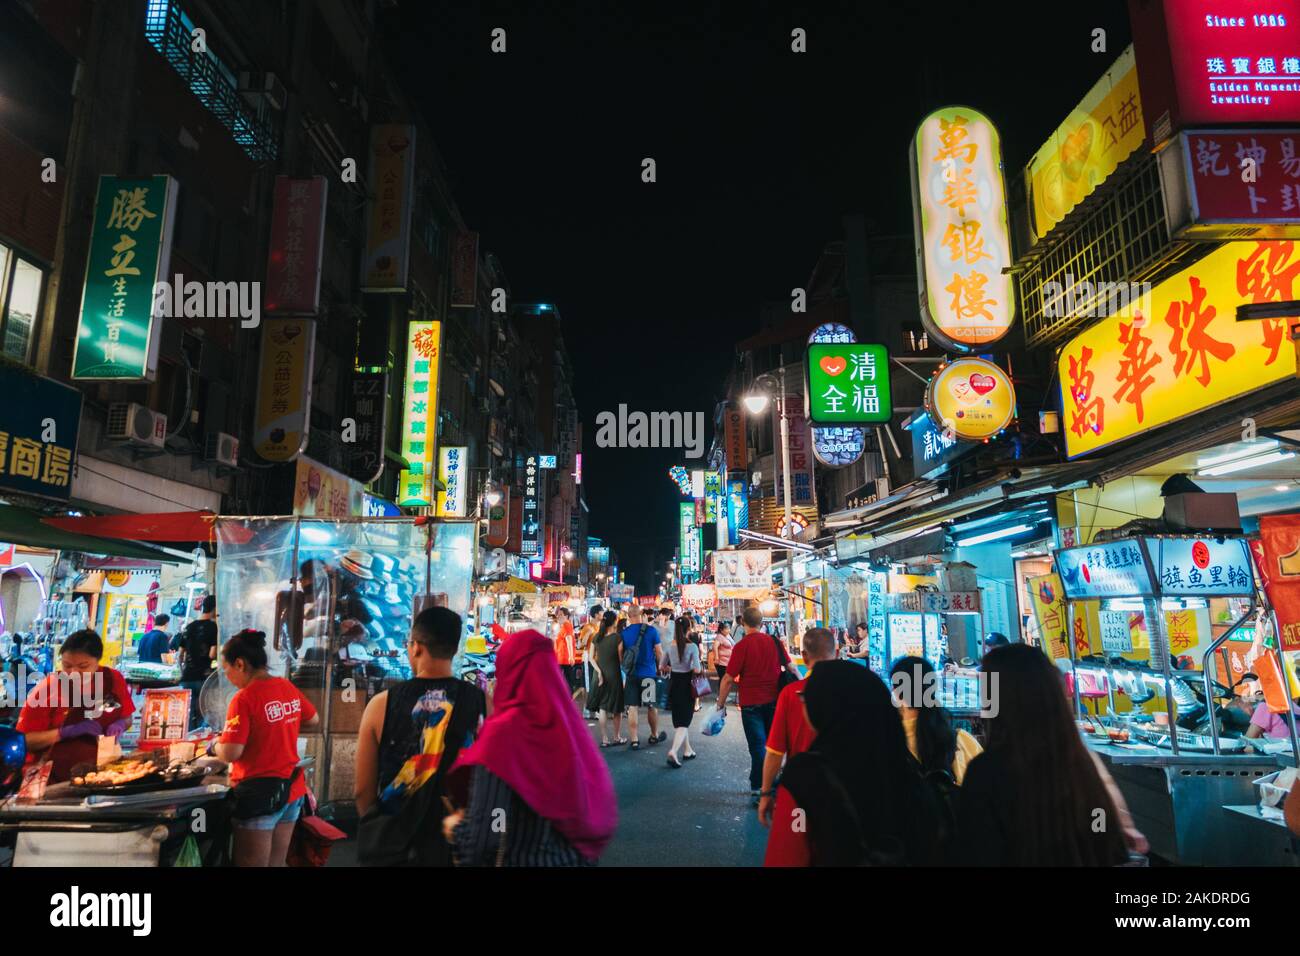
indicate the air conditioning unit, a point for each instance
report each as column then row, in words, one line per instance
column 265, row 86
column 137, row 424
column 222, row 449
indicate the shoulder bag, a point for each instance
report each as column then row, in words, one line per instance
column 784, row 679
column 630, row 657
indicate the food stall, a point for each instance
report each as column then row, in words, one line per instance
column 1155, row 726
column 336, row 597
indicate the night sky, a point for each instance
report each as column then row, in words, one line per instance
column 759, row 150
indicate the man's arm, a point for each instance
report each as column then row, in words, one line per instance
column 771, row 767
column 724, row 689
column 365, row 789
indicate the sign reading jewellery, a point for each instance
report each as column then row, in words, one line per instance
column 130, row 251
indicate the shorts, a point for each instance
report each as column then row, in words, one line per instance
column 640, row 691
column 289, row 813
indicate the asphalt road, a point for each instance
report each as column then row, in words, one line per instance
column 697, row 816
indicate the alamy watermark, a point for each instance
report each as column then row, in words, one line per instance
column 626, row 429
column 921, row 690
column 1085, row 299
column 209, row 300
column 64, row 692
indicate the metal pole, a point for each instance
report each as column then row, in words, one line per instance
column 1074, row 661
column 1155, row 620
column 1206, row 670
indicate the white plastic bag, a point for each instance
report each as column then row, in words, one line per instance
column 713, row 723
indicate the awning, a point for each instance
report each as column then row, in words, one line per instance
column 22, row 526
column 166, row 526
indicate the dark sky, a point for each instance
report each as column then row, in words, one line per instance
column 759, row 153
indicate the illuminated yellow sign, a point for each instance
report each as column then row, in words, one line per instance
column 1099, row 134
column 1130, row 373
column 961, row 229
column 419, row 415
column 971, row 398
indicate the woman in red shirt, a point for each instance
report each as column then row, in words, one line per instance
column 260, row 742
column 65, row 714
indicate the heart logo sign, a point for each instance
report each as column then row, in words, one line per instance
column 983, row 384
column 832, row 365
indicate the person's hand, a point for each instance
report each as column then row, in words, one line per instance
column 765, row 807
column 722, row 708
column 116, row 728
column 449, row 824
column 82, row 728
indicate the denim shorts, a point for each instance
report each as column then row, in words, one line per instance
column 289, row 813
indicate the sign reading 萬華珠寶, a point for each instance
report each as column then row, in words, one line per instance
column 130, row 252
column 1130, row 372
column 960, row 220
column 848, row 384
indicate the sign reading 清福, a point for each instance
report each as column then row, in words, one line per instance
column 39, row 422
column 1218, row 567
column 1110, row 569
column 848, row 384
column 960, row 218
column 1130, row 373
column 130, row 250
column 934, row 602
column 453, row 463
column 419, row 414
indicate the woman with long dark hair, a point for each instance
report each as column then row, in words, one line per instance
column 864, row 801
column 607, row 699
column 682, row 664
column 931, row 739
column 1037, row 796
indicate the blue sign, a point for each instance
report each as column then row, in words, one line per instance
column 934, row 449
column 838, row 446
column 737, row 508
column 39, row 421
column 374, row 507
column 1204, row 567
column 545, row 461
column 1114, row 569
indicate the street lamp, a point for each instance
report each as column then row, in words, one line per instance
column 565, row 555
column 764, row 387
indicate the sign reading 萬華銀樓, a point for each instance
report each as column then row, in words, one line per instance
column 130, row 250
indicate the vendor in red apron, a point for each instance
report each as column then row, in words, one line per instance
column 67, row 712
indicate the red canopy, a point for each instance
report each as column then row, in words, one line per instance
column 167, row 526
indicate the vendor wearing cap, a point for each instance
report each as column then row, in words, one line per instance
column 66, row 713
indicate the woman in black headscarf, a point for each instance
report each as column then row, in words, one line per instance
column 865, row 804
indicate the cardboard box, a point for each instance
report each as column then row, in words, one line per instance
column 345, row 715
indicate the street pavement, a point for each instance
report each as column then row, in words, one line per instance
column 697, row 816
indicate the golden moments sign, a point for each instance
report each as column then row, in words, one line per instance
column 960, row 218
column 1131, row 372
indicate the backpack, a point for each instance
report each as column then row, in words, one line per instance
column 783, row 678
column 630, row 656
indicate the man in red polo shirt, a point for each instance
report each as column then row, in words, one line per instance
column 790, row 737
column 756, row 663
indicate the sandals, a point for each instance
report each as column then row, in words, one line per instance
column 616, row 742
column 674, row 763
column 636, row 745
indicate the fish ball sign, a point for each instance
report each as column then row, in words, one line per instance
column 960, row 217
column 971, row 398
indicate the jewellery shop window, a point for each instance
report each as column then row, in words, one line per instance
column 21, row 284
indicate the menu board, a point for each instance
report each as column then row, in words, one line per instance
column 1110, row 569
column 166, row 715
column 1202, row 566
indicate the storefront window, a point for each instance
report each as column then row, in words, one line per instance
column 20, row 297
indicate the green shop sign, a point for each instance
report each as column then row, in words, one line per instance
column 130, row 249
column 848, row 384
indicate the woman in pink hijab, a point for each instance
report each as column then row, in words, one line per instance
column 535, row 760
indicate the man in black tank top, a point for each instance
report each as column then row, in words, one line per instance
column 397, row 756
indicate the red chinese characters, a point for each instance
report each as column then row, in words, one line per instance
column 1135, row 368
column 1266, row 275
column 1192, row 342
column 1089, row 410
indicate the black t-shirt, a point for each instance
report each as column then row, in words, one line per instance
column 198, row 640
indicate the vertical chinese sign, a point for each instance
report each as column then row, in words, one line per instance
column 293, row 262
column 130, row 251
column 848, row 384
column 464, row 270
column 283, row 416
column 392, row 186
column 368, row 409
column 39, row 422
column 802, row 488
column 530, row 542
column 454, row 472
column 960, row 218
column 420, row 414
column 1130, row 373
column 737, row 447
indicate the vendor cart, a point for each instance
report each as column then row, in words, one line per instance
column 1174, row 767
